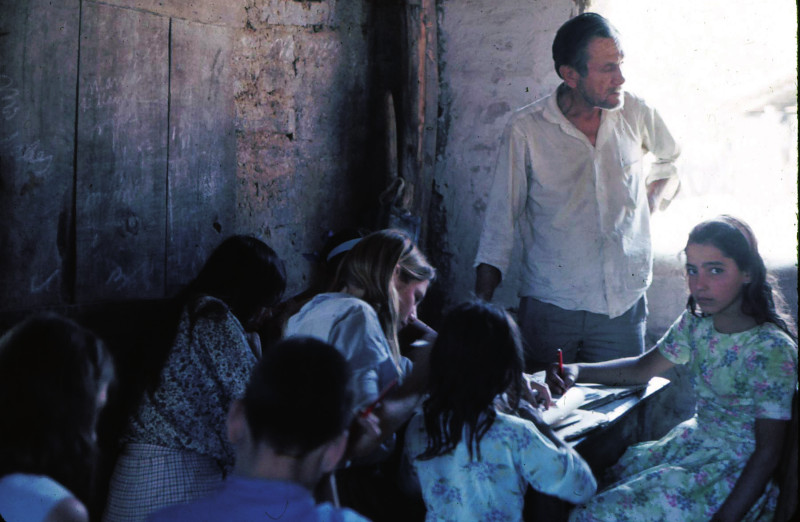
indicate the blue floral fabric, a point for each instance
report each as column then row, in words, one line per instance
column 513, row 454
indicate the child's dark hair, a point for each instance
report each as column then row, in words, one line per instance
column 51, row 371
column 734, row 238
column 476, row 357
column 244, row 272
column 299, row 396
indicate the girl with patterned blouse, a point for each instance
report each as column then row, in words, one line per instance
column 742, row 353
column 473, row 460
column 176, row 447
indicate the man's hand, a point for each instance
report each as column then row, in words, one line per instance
column 487, row 278
column 654, row 190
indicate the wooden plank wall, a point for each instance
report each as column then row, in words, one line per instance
column 122, row 153
column 201, row 193
column 117, row 151
column 38, row 77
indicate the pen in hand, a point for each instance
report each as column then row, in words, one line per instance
column 560, row 363
column 380, row 397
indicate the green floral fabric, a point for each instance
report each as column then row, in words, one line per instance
column 689, row 473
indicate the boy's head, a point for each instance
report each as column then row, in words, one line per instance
column 298, row 397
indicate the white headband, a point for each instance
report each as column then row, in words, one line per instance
column 342, row 247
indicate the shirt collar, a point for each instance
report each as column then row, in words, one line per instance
column 553, row 114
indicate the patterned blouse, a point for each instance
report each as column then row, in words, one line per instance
column 209, row 366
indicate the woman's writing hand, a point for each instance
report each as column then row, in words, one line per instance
column 365, row 436
column 560, row 383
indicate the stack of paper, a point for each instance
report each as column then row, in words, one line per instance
column 586, row 421
column 596, row 395
column 572, row 416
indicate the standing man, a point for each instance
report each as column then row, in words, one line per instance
column 570, row 177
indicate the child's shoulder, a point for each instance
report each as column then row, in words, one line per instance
column 207, row 307
column 333, row 307
column 776, row 343
column 343, row 302
column 506, row 423
column 770, row 332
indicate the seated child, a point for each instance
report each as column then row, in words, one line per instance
column 741, row 352
column 174, row 446
column 289, row 430
column 474, row 462
column 54, row 377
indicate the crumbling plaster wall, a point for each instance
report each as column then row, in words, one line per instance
column 495, row 56
column 276, row 149
column 301, row 89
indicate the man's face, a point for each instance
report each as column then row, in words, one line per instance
column 602, row 85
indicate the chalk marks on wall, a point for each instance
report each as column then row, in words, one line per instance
column 31, row 156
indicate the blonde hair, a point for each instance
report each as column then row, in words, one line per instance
column 370, row 265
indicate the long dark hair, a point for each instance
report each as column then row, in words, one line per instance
column 476, row 357
column 735, row 239
column 243, row 272
column 51, row 371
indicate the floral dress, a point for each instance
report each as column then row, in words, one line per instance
column 513, row 454
column 689, row 473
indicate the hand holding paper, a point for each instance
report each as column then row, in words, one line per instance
column 537, row 394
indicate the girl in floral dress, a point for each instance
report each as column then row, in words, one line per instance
column 743, row 358
column 475, row 462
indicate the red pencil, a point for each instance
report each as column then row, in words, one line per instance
column 560, row 363
column 381, row 396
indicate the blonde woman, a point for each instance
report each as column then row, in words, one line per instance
column 377, row 289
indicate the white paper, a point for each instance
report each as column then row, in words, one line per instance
column 564, row 406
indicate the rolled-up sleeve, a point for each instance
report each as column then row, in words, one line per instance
column 658, row 140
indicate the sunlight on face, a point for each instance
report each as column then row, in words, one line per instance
column 602, row 85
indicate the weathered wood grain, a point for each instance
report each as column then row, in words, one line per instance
column 231, row 14
column 420, row 106
column 121, row 154
column 202, row 148
column 38, row 78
